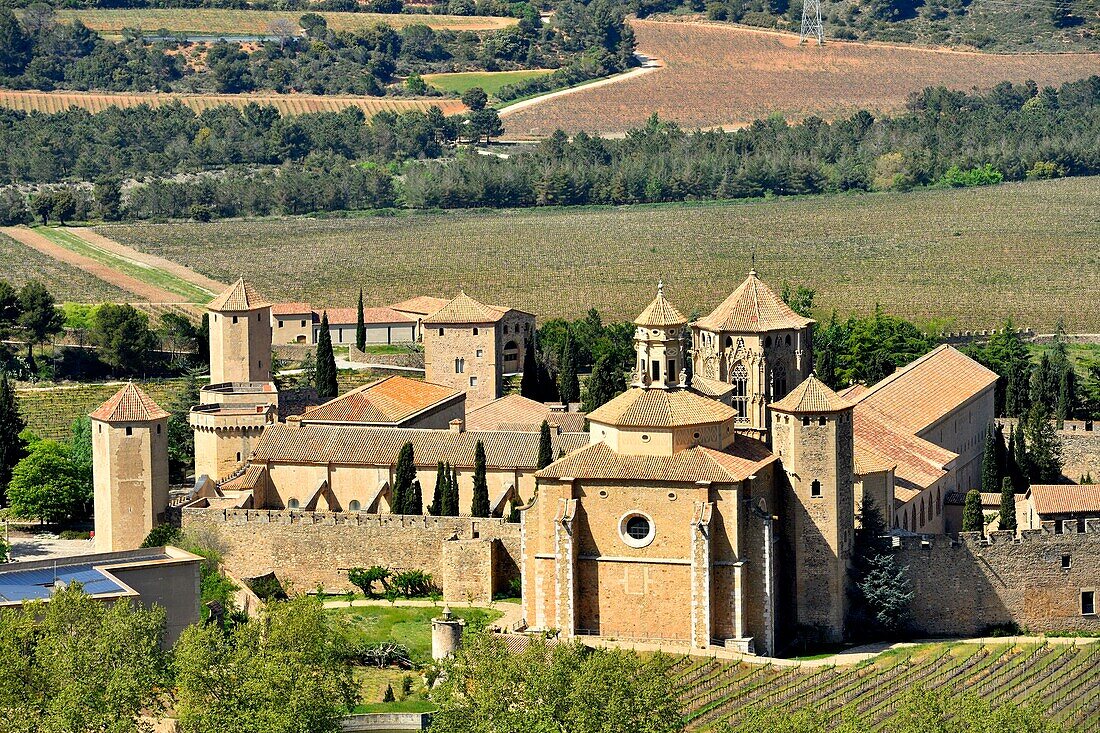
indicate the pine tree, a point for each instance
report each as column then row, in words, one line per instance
column 529, row 383
column 327, row 387
column 403, row 476
column 181, row 437
column 513, row 509
column 1008, row 504
column 360, row 326
column 607, row 381
column 11, row 445
column 546, row 451
column 480, row 505
column 436, row 507
column 569, row 388
column 880, row 588
column 972, row 512
column 1044, row 449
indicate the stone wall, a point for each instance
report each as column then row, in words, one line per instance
column 413, row 358
column 310, row 549
column 964, row 587
column 1080, row 446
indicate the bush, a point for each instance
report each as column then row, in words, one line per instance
column 364, row 580
column 414, row 584
column 72, row 534
column 161, row 535
column 986, row 175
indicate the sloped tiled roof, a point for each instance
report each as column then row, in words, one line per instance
column 923, row 392
column 1066, row 498
column 350, row 316
column 388, row 401
column 599, row 461
column 660, row 408
column 753, row 307
column 853, row 392
column 240, row 296
column 291, row 309
column 464, row 309
column 714, row 388
column 919, row 463
column 516, row 412
column 249, row 479
column 423, row 305
column 129, row 404
column 377, row 446
column 660, row 313
column 812, row 395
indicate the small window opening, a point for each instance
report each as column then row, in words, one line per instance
column 475, row 332
column 292, row 504
column 1065, row 562
column 815, row 488
column 129, row 430
column 234, row 319
column 822, row 420
column 1088, row 603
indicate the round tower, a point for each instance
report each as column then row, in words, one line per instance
column 812, row 435
column 129, row 469
column 659, row 343
column 446, row 634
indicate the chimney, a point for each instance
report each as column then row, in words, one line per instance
column 458, row 425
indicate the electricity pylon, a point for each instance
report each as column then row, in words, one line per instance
column 812, row 27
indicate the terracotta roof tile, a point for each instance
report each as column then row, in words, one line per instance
column 812, row 395
column 240, row 296
column 422, row 305
column 753, row 307
column 350, row 316
column 388, row 401
column 464, row 309
column 129, row 404
column 515, row 412
column 660, row 408
column 923, row 392
column 377, row 446
column 854, row 392
column 713, row 388
column 1066, row 498
column 660, row 313
column 599, row 461
column 248, row 480
column 291, row 309
column 919, row 463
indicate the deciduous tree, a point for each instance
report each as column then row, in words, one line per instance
column 122, row 336
column 606, row 381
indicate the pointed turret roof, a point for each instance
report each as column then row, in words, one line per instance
column 240, row 296
column 129, row 404
column 660, row 313
column 813, row 395
column 753, row 308
column 464, row 309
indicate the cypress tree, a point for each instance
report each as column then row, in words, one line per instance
column 415, row 502
column 972, row 512
column 1019, row 458
column 529, row 383
column 1044, row 449
column 360, row 326
column 453, row 489
column 569, row 388
column 436, row 507
column 1008, row 504
column 990, row 479
column 606, row 382
column 546, row 451
column 403, row 477
column 327, row 388
column 11, row 424
column 480, row 505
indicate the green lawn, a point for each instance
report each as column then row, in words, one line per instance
column 406, row 625
column 490, row 81
column 401, row 706
column 151, row 275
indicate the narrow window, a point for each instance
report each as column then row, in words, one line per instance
column 475, row 332
column 1088, row 603
column 473, row 381
column 257, row 316
column 280, row 324
column 238, row 456
column 158, row 429
column 805, row 421
column 1065, row 562
column 129, row 430
column 656, row 366
column 815, row 489
column 671, row 369
column 441, row 332
column 234, row 319
column 739, row 380
column 821, row 420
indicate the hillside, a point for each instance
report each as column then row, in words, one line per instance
column 974, row 256
column 718, row 75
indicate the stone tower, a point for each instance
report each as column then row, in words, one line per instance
column 659, row 343
column 750, row 351
column 812, row 435
column 129, row 469
column 240, row 336
column 241, row 399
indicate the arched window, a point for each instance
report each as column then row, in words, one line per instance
column 511, row 353
column 787, row 339
column 768, row 342
column 779, row 382
column 815, row 489
column 353, row 506
column 729, row 342
column 923, row 518
column 739, row 379
column 292, row 504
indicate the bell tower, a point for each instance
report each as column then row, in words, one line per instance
column 659, row 343
column 240, row 336
column 812, row 435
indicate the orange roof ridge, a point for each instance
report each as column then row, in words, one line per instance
column 753, row 307
column 129, row 404
column 660, row 408
column 240, row 296
column 812, row 395
column 464, row 309
column 390, row 399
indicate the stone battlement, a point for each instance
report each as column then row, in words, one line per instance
column 358, row 519
column 1049, row 533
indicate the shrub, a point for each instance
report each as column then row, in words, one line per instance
column 73, row 534
column 414, row 584
column 986, row 175
column 161, row 535
column 364, row 580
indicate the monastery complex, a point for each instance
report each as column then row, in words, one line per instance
column 714, row 502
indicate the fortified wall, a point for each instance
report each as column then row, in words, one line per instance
column 470, row 558
column 963, row 587
column 1080, row 446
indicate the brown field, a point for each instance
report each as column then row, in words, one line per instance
column 968, row 258
column 720, row 75
column 212, row 21
column 66, row 282
column 287, row 104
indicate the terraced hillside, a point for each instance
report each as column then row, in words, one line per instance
column 1060, row 679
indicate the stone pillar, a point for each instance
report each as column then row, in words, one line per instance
column 564, row 565
column 446, row 635
column 700, row 575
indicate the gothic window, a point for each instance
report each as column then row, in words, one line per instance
column 768, row 342
column 739, row 380
column 938, row 503
column 511, row 353
column 787, row 339
column 922, row 515
column 779, row 382
column 729, row 342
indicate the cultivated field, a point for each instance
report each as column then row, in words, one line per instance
column 721, row 75
column 1059, row 679
column 67, row 283
column 490, row 81
column 210, row 21
column 972, row 255
column 287, row 104
column 50, row 411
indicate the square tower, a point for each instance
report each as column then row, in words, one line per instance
column 240, row 336
column 129, row 469
column 812, row 435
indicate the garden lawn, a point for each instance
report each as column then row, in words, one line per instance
column 490, row 81
column 410, row 626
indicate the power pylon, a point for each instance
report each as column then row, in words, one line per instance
column 812, row 27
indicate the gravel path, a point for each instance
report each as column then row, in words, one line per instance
column 96, row 239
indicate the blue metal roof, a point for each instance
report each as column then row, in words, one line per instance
column 27, row 585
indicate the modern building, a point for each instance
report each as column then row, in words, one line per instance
column 382, row 325
column 1063, row 508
